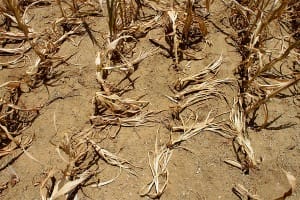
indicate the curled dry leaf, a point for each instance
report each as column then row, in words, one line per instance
column 68, row 186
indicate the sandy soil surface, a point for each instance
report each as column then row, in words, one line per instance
column 196, row 170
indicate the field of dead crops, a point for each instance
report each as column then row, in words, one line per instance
column 150, row 99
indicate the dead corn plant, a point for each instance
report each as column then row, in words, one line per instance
column 159, row 159
column 241, row 141
column 188, row 130
column 143, row 119
column 110, row 108
column 80, row 167
column 14, row 119
column 113, row 110
column 196, row 95
column 76, row 13
column 18, row 16
column 183, row 29
column 45, row 46
column 80, row 164
column 105, row 63
column 116, row 54
column 264, row 72
column 121, row 14
column 140, row 28
column 82, row 156
column 158, row 162
column 44, row 71
column 111, row 158
column 198, row 88
column 59, row 188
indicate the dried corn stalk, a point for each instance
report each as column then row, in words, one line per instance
column 242, row 144
column 262, row 61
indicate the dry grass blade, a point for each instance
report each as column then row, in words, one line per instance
column 158, row 162
column 10, row 84
column 68, row 186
